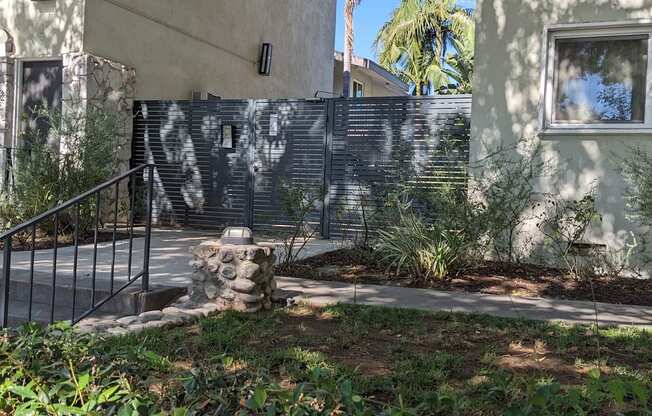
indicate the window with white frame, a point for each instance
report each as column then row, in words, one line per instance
column 598, row 78
column 358, row 89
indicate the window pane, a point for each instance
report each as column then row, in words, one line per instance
column 42, row 87
column 600, row 81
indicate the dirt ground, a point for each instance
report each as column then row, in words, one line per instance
column 494, row 278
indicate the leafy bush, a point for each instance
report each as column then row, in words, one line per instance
column 564, row 225
column 636, row 168
column 80, row 155
column 298, row 203
column 505, row 183
column 424, row 250
column 54, row 372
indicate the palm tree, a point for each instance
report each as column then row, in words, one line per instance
column 459, row 65
column 414, row 43
column 349, row 6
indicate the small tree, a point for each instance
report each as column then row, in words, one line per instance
column 297, row 203
column 505, row 181
column 565, row 224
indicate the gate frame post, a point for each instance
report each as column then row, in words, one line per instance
column 249, row 214
column 328, row 163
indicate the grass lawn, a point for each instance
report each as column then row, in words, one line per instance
column 373, row 358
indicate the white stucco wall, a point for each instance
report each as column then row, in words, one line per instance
column 43, row 28
column 177, row 46
column 506, row 97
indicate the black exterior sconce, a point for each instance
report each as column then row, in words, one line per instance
column 265, row 63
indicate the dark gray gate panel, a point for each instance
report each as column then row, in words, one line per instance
column 377, row 142
column 295, row 154
column 198, row 183
column 355, row 148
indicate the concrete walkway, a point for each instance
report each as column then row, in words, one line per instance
column 169, row 258
column 576, row 312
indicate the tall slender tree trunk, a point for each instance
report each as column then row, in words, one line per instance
column 349, row 5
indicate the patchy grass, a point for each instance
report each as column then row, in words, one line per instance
column 456, row 363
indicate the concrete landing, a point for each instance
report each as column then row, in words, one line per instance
column 169, row 257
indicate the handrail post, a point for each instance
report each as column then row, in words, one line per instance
column 6, row 278
column 148, row 228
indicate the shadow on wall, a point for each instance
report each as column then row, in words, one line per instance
column 509, row 61
column 43, row 28
column 203, row 182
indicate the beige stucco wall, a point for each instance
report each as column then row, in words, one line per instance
column 506, row 98
column 47, row 28
column 177, row 46
column 374, row 86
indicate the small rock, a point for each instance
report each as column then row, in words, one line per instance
column 228, row 272
column 183, row 299
column 226, row 256
column 248, row 270
column 154, row 324
column 243, row 285
column 173, row 310
column 174, row 320
column 128, row 320
column 150, row 316
column 210, row 290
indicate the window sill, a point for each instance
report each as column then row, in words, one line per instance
column 556, row 132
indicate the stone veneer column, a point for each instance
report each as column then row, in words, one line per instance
column 7, row 86
column 100, row 82
column 238, row 277
column 6, row 100
column 90, row 80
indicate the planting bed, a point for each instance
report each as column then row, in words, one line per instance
column 526, row 280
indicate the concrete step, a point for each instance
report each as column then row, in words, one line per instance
column 128, row 302
column 18, row 313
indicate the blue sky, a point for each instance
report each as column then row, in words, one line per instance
column 369, row 17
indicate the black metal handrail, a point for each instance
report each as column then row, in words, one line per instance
column 53, row 214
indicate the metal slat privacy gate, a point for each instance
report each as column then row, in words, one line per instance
column 221, row 162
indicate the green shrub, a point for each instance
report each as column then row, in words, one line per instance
column 54, row 372
column 80, row 154
column 298, row 203
column 505, row 181
column 636, row 168
column 564, row 225
column 421, row 249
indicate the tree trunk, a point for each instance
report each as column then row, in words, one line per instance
column 349, row 5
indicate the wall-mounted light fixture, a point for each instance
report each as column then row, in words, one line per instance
column 265, row 63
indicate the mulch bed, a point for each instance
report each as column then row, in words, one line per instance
column 44, row 242
column 524, row 280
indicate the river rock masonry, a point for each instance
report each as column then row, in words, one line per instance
column 238, row 277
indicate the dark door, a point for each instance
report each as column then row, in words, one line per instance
column 41, row 88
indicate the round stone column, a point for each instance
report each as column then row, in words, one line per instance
column 233, row 276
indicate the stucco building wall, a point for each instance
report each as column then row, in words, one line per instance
column 43, row 28
column 507, row 94
column 374, row 86
column 214, row 45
